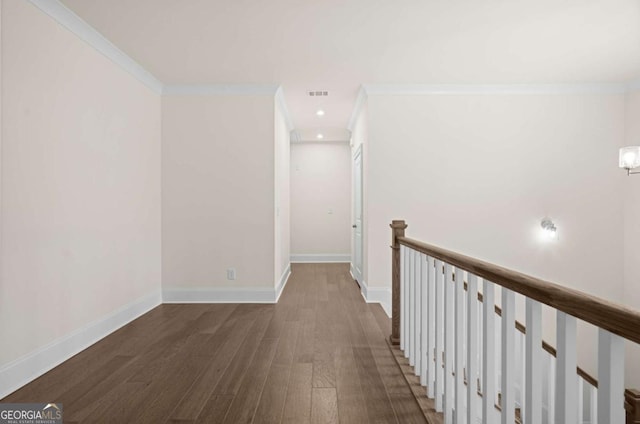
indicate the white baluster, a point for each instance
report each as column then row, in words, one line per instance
column 460, row 388
column 412, row 307
column 522, row 360
column 407, row 298
column 488, row 354
column 403, row 299
column 533, row 363
column 566, row 381
column 449, row 339
column 440, row 326
column 472, row 349
column 424, row 312
column 418, row 308
column 580, row 400
column 551, row 390
column 610, row 377
column 593, row 405
column 480, row 327
column 508, row 356
column 431, row 341
column 498, row 359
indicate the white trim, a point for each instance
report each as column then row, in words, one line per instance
column 280, row 101
column 427, row 89
column 68, row 19
column 220, row 90
column 487, row 89
column 381, row 295
column 360, row 102
column 294, row 136
column 364, row 288
column 23, row 370
column 320, row 258
column 283, row 281
column 219, row 295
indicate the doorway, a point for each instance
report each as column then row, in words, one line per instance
column 356, row 264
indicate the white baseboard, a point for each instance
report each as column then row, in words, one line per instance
column 227, row 294
column 32, row 365
column 219, row 295
column 283, row 281
column 320, row 258
column 381, row 295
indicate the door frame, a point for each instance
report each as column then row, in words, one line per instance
column 356, row 272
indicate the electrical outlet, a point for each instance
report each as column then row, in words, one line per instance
column 231, row 273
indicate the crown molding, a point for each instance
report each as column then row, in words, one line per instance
column 220, row 89
column 72, row 22
column 513, row 89
column 68, row 19
column 484, row 89
column 283, row 108
column 294, row 137
column 360, row 102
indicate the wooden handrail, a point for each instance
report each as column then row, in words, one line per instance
column 614, row 318
column 546, row 346
column 610, row 316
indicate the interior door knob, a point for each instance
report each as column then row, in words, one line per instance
column 354, row 226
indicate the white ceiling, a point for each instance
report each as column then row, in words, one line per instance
column 337, row 45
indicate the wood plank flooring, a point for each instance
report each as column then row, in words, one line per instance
column 318, row 356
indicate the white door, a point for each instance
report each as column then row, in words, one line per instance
column 357, row 215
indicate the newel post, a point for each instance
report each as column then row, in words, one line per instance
column 397, row 230
column 632, row 406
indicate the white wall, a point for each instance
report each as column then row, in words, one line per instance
column 632, row 234
column 476, row 173
column 320, row 199
column 218, row 191
column 282, row 195
column 80, row 185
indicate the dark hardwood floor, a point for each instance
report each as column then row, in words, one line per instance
column 318, row 356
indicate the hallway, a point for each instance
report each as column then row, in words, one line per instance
column 317, row 356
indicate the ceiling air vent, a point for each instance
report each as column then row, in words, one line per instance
column 318, row 93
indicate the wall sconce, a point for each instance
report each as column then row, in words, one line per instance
column 630, row 158
column 549, row 229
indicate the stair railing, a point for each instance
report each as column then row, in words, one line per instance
column 479, row 364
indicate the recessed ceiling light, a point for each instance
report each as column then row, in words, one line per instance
column 319, row 136
column 320, row 112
